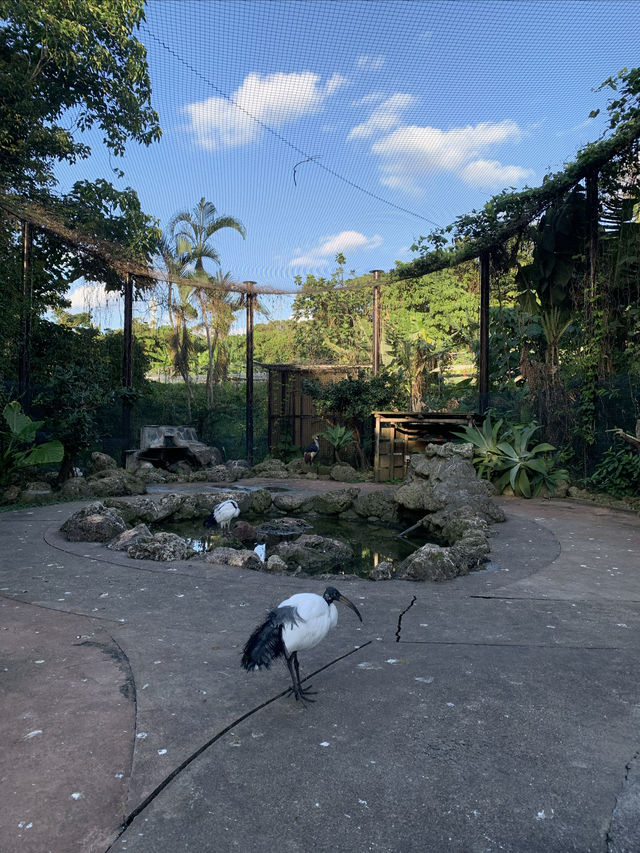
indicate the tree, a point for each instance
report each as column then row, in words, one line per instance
column 333, row 322
column 425, row 320
column 57, row 55
column 190, row 234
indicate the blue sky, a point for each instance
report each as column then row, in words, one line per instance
column 414, row 113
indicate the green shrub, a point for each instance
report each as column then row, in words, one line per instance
column 618, row 473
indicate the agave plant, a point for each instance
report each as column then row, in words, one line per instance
column 485, row 441
column 339, row 437
column 508, row 460
column 526, row 470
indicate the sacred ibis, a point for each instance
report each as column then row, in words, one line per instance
column 311, row 450
column 298, row 623
column 223, row 514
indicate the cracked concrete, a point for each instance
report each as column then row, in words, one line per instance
column 498, row 711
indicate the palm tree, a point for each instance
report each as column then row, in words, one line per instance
column 181, row 311
column 191, row 233
column 217, row 305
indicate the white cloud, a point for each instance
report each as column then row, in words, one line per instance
column 385, row 117
column 92, row 297
column 491, row 173
column 273, row 99
column 410, row 153
column 345, row 242
column 371, row 62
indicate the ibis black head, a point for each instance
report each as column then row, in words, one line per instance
column 332, row 594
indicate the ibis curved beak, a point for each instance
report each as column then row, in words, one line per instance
column 350, row 604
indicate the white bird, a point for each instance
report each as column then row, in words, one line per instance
column 223, row 514
column 297, row 623
column 311, row 450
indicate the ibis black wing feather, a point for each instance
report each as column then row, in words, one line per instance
column 265, row 644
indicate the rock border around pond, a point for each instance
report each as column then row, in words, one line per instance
column 440, row 494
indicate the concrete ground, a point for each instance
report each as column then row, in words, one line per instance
column 496, row 712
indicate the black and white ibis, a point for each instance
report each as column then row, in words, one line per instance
column 223, row 514
column 312, row 450
column 297, row 623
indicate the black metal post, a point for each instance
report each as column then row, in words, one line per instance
column 24, row 356
column 483, row 366
column 127, row 365
column 251, row 296
column 375, row 349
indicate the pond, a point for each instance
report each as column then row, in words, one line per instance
column 371, row 544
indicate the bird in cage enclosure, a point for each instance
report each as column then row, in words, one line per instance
column 223, row 514
column 298, row 623
column 311, row 450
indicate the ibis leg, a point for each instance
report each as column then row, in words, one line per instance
column 294, row 671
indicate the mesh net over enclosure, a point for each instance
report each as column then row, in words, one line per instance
column 401, row 136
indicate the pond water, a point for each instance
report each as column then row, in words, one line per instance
column 371, row 544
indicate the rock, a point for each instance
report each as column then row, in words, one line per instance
column 207, row 500
column 146, row 509
column 378, row 505
column 216, row 474
column 75, row 488
column 115, row 481
column 429, row 563
column 297, row 467
column 35, row 491
column 93, row 523
column 103, row 462
column 332, row 503
column 273, row 468
column 284, row 527
column 162, row 547
column 288, row 502
column 133, row 536
column 419, row 495
column 244, row 558
column 275, row 565
column 344, row 473
column 182, row 468
column 448, row 449
column 260, row 501
column 154, row 475
column 444, row 477
column 384, row 571
column 11, row 494
column 188, row 509
column 244, row 531
column 312, row 552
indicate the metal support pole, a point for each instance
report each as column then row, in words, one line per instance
column 127, row 365
column 483, row 367
column 375, row 348
column 24, row 356
column 251, row 296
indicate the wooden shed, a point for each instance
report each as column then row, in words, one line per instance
column 291, row 413
column 399, row 434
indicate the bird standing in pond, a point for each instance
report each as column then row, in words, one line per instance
column 311, row 450
column 223, row 514
column 297, row 623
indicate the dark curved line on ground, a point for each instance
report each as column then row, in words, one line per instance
column 177, row 770
column 399, row 628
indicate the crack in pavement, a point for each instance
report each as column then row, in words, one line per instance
column 183, row 766
column 399, row 629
